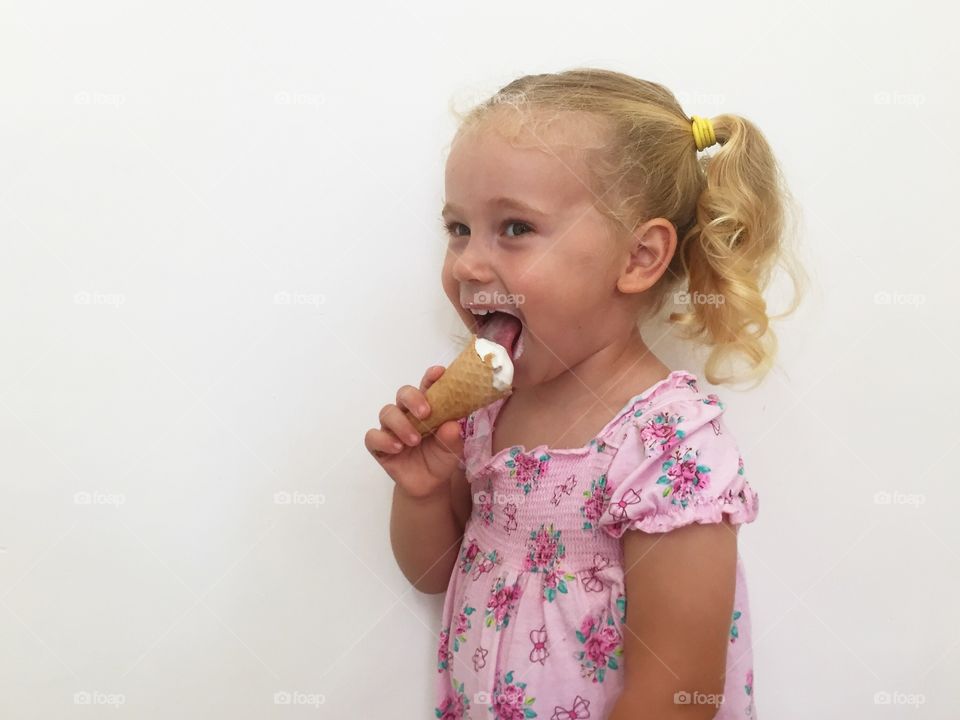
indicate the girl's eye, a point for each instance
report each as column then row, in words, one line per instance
column 519, row 224
column 452, row 228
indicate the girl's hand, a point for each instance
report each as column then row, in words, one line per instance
column 421, row 467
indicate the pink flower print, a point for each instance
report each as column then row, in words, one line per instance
column 749, row 686
column 510, row 701
column 444, row 656
column 595, row 503
column 468, row 554
column 580, row 709
column 466, row 425
column 501, row 603
column 602, row 646
column 734, row 632
column 473, row 558
column 479, row 658
column 684, row 477
column 555, row 581
column 618, row 510
column 455, row 705
column 609, row 639
column 739, row 464
column 660, row 434
column 586, row 625
column 539, row 652
column 460, row 629
column 451, row 709
column 543, row 549
column 715, row 424
column 564, row 487
column 526, row 468
column 713, row 399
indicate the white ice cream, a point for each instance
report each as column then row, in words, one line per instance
column 502, row 364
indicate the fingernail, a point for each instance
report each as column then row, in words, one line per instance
column 422, row 411
column 414, row 439
column 397, row 446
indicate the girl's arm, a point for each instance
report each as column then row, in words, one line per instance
column 680, row 589
column 425, row 532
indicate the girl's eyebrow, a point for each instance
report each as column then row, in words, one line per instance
column 497, row 202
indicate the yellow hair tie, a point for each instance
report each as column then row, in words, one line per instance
column 703, row 132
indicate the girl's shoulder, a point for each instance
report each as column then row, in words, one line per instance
column 679, row 387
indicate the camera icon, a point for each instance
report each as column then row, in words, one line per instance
column 883, row 498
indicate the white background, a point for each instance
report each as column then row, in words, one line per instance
column 167, row 169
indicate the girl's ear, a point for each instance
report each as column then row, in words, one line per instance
column 651, row 248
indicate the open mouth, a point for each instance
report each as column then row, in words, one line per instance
column 502, row 328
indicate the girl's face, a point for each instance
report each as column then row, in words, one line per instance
column 525, row 232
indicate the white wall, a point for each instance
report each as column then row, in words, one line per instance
column 168, row 169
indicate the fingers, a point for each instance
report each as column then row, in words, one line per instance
column 381, row 442
column 413, row 400
column 397, row 431
column 392, row 418
column 432, row 374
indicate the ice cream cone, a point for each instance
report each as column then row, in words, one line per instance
column 466, row 385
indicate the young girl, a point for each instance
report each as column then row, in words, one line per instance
column 585, row 527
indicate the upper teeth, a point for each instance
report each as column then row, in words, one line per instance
column 482, row 312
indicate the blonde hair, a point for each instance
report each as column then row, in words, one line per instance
column 728, row 207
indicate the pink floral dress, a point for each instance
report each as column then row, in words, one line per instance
column 533, row 617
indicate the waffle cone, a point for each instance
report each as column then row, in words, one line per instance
column 466, row 385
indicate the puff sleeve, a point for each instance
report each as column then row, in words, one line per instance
column 676, row 466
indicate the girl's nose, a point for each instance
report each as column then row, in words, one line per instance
column 473, row 262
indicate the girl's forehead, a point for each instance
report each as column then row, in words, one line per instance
column 544, row 163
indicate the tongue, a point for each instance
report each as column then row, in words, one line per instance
column 503, row 329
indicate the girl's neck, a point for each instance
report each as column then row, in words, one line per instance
column 611, row 375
